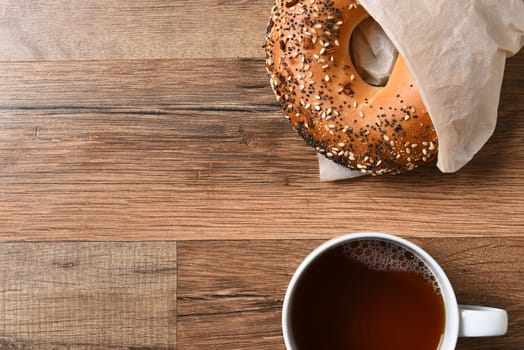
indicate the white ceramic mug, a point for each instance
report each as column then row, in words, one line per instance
column 460, row 320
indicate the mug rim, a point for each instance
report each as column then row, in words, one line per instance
column 451, row 327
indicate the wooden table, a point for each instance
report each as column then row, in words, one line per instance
column 153, row 197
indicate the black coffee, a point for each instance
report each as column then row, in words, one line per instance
column 367, row 295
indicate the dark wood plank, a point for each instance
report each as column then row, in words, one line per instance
column 199, row 150
column 131, row 29
column 230, row 292
column 88, row 295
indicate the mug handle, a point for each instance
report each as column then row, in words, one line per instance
column 481, row 321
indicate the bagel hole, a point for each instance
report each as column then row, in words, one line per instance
column 372, row 52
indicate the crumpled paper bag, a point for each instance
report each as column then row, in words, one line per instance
column 374, row 55
column 456, row 52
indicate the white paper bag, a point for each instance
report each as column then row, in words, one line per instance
column 456, row 52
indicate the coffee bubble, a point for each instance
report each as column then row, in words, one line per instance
column 385, row 256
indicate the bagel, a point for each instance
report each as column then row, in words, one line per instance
column 376, row 130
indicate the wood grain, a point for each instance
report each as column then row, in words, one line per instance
column 153, row 122
column 131, row 29
column 88, row 295
column 178, row 149
column 230, row 292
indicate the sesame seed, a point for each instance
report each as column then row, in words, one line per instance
column 339, row 23
column 317, row 108
column 332, row 126
column 361, row 114
column 331, row 133
column 386, row 138
column 337, row 43
column 424, row 151
column 431, row 146
column 325, row 66
column 406, row 117
column 326, row 78
column 352, row 77
column 341, row 144
column 329, row 154
column 414, row 145
column 318, row 25
column 355, row 104
column 322, row 50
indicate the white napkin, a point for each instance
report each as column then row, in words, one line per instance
column 456, row 52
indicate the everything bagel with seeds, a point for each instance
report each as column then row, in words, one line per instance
column 376, row 130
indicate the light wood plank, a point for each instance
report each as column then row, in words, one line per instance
column 234, row 285
column 131, row 29
column 199, row 150
column 88, row 295
column 230, row 292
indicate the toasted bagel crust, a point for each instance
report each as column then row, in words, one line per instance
column 376, row 130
